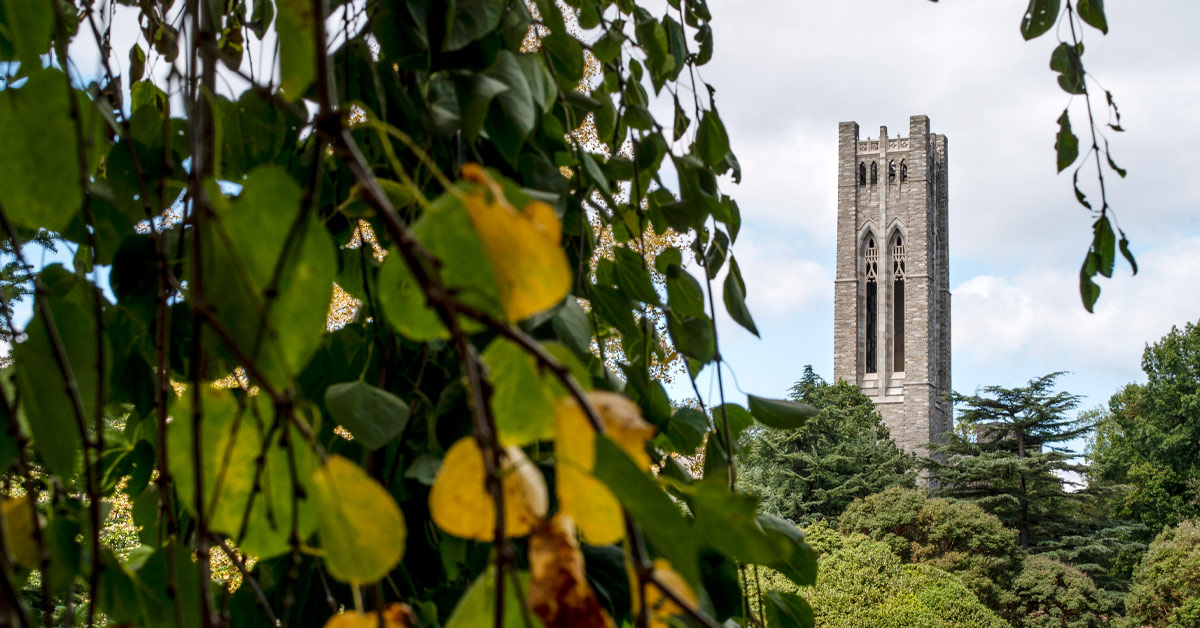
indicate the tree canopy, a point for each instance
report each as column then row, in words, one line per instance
column 1146, row 440
column 842, row 453
column 1008, row 455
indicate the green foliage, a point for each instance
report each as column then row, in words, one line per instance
column 1145, row 443
column 864, row 585
column 1051, row 594
column 841, row 453
column 305, row 424
column 956, row 537
column 1166, row 590
column 1067, row 61
column 1007, row 455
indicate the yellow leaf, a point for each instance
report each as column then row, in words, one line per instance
column 559, row 593
column 580, row 495
column 662, row 608
column 396, row 615
column 461, row 505
column 530, row 267
column 361, row 528
column 18, row 516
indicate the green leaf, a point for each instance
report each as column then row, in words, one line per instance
column 692, row 336
column 652, row 37
column 1104, row 246
column 39, row 168
column 1092, row 12
column 1088, row 290
column 738, row 417
column 27, row 28
column 704, row 37
column 681, row 121
column 566, row 58
column 648, row 505
column 571, row 326
column 515, row 115
column 1124, row 244
column 232, row 437
column 472, row 20
column 712, row 143
column 632, row 277
column 446, row 231
column 253, row 133
column 735, row 298
column 1039, row 17
column 685, row 431
column 1066, row 144
column 261, row 14
column 137, row 63
column 404, row 302
column 593, row 172
column 522, row 404
column 727, row 522
column 788, row 610
column 1066, row 61
column 253, row 252
column 780, row 413
column 424, row 469
column 608, row 47
column 1079, row 196
column 718, row 250
column 677, row 42
column 475, row 94
column 297, row 51
column 1112, row 164
column 796, row 559
column 50, row 411
column 373, row 415
column 477, row 606
column 361, row 528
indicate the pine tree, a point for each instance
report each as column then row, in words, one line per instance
column 1007, row 455
column 843, row 453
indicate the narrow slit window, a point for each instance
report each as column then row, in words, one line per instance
column 874, row 172
column 862, row 173
column 898, row 304
column 871, row 259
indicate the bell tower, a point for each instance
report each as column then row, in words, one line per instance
column 892, row 287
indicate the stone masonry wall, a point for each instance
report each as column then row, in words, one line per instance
column 913, row 208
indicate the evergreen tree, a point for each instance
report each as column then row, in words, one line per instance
column 1007, row 455
column 843, row 453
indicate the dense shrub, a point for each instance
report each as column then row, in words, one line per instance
column 861, row 583
column 957, row 537
column 1166, row 584
column 1052, row 594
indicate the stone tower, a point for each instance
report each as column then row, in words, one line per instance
column 892, row 290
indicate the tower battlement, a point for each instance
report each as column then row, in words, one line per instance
column 891, row 290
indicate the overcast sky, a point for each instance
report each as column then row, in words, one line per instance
column 787, row 72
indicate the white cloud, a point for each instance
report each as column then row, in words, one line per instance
column 1036, row 316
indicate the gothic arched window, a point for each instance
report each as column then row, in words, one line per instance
column 871, row 270
column 892, row 171
column 903, row 171
column 898, row 258
column 862, row 173
column 874, row 173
